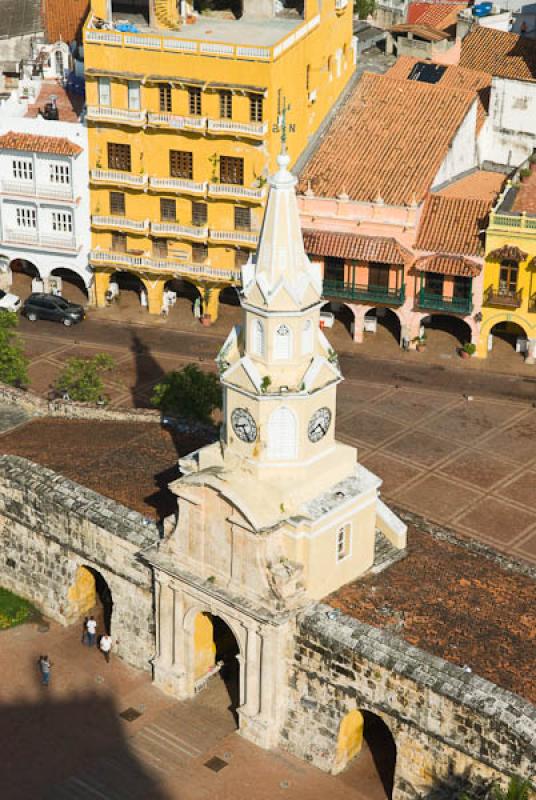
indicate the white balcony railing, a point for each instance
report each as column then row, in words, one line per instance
column 340, row 5
column 23, row 235
column 30, row 189
column 233, row 190
column 27, row 236
column 138, row 225
column 228, row 126
column 103, row 113
column 178, row 267
column 178, row 185
column 237, row 237
column 175, row 229
column 118, row 176
column 172, row 121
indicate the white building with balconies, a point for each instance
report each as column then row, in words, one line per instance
column 44, row 200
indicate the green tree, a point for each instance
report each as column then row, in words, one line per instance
column 363, row 8
column 13, row 362
column 189, row 392
column 518, row 789
column 81, row 378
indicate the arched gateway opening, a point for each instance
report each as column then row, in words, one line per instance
column 90, row 594
column 366, row 751
column 216, row 655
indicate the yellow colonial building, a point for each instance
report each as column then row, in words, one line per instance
column 184, row 113
column 509, row 306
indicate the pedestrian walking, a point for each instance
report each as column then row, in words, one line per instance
column 44, row 668
column 106, row 646
column 91, row 628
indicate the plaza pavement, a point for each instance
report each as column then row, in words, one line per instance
column 70, row 742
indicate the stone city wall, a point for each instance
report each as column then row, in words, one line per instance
column 449, row 726
column 50, row 527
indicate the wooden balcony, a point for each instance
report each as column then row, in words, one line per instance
column 365, row 293
column 503, row 298
column 438, row 302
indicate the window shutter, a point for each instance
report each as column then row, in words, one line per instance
column 282, row 435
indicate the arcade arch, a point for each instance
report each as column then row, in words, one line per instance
column 216, row 650
column 503, row 337
column 23, row 273
column 344, row 316
column 386, row 319
column 128, row 289
column 445, row 329
column 73, row 287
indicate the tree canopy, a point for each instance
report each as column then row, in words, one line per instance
column 13, row 362
column 81, row 378
column 188, row 392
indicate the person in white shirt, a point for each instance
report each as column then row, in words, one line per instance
column 91, row 627
column 106, row 646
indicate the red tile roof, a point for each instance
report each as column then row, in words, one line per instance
column 356, row 248
column 55, row 145
column 426, row 32
column 505, row 55
column 481, row 185
column 69, row 105
column 438, row 15
column 389, row 139
column 454, row 77
column 448, row 265
column 63, row 19
column 452, row 224
column 456, row 602
column 525, row 199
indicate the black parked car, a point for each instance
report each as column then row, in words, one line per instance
column 50, row 306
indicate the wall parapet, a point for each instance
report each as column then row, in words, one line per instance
column 50, row 487
column 341, row 634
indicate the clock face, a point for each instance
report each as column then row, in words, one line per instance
column 244, row 425
column 319, row 424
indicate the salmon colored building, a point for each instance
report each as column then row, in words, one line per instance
column 393, row 203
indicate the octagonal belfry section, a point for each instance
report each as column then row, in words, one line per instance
column 278, row 513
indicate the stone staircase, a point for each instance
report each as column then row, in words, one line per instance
column 167, row 15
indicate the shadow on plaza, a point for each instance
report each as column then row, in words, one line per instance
column 57, row 749
column 148, row 371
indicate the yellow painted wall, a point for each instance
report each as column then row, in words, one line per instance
column 82, row 594
column 350, row 739
column 499, row 234
column 283, row 78
column 204, row 647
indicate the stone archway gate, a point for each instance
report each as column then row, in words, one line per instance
column 51, row 526
column 446, row 724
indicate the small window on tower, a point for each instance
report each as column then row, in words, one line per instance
column 343, row 542
column 257, row 337
column 283, row 343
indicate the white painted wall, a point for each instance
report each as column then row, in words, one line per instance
column 462, row 153
column 510, row 135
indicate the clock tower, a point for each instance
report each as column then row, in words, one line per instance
column 277, row 513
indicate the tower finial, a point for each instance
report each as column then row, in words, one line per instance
column 282, row 125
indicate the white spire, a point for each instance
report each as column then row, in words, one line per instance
column 281, row 262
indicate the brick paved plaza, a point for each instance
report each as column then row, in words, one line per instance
column 69, row 742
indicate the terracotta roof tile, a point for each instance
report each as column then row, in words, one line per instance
column 509, row 252
column 438, row 15
column 63, row 19
column 455, row 603
column 55, row 145
column 69, row 105
column 356, row 248
column 452, row 225
column 448, row 265
column 389, row 138
column 481, row 185
column 505, row 55
column 453, row 77
column 426, row 32
column 525, row 199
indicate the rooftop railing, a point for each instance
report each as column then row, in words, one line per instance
column 167, row 42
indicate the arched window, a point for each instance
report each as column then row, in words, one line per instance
column 282, row 435
column 257, row 337
column 283, row 342
column 60, row 65
column 307, row 337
